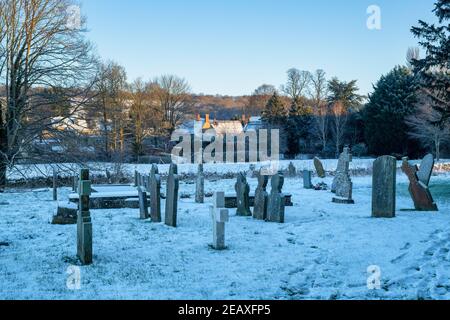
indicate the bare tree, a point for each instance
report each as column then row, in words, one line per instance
column 427, row 128
column 39, row 48
column 258, row 100
column 111, row 99
column 174, row 99
column 413, row 54
column 319, row 93
column 297, row 84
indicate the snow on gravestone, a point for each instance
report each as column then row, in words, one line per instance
column 421, row 195
column 384, row 187
column 261, row 197
column 426, row 169
column 200, row 185
column 276, row 204
column 342, row 168
column 219, row 216
column 172, row 196
column 155, row 194
column 242, row 196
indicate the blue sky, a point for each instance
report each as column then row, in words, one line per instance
column 233, row 46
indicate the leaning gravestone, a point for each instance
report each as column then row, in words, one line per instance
column 261, row 197
column 219, row 216
column 342, row 168
column 319, row 168
column 155, row 194
column 172, row 196
column 243, row 196
column 275, row 207
column 426, row 169
column 307, row 183
column 383, row 187
column 84, row 223
column 421, row 195
column 143, row 203
column 200, row 185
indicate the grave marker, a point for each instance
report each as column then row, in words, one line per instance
column 261, row 197
column 155, row 194
column 200, row 185
column 307, row 183
column 384, row 187
column 84, row 223
column 242, row 193
column 172, row 196
column 319, row 168
column 219, row 216
column 276, row 204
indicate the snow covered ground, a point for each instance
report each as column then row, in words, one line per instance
column 321, row 252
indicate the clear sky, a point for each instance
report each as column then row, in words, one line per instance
column 233, row 46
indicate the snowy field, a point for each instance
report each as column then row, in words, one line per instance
column 321, row 252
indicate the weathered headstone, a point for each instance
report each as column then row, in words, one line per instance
column 155, row 194
column 84, row 223
column 292, row 170
column 55, row 185
column 261, row 197
column 200, row 185
column 384, row 180
column 275, row 206
column 342, row 168
column 143, row 203
column 421, row 195
column 344, row 188
column 307, row 183
column 319, row 168
column 426, row 169
column 172, row 196
column 242, row 193
column 75, row 184
column 219, row 216
column 136, row 178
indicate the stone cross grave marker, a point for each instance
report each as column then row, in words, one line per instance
column 219, row 216
column 307, row 183
column 200, row 185
column 319, row 168
column 261, row 197
column 155, row 194
column 276, row 204
column 172, row 196
column 242, row 196
column 342, row 168
column 292, row 170
column 84, row 223
column 384, row 180
column 421, row 195
column 426, row 169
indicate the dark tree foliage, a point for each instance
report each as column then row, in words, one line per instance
column 393, row 99
column 433, row 72
column 274, row 113
column 298, row 125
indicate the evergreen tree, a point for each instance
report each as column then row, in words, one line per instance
column 392, row 101
column 433, row 72
column 274, row 113
column 297, row 125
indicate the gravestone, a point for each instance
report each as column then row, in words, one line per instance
column 344, row 188
column 307, row 183
column 426, row 169
column 342, row 168
column 243, row 194
column 219, row 216
column 292, row 171
column 261, row 197
column 55, row 185
column 200, row 185
column 319, row 168
column 84, row 223
column 384, row 180
column 143, row 203
column 155, row 194
column 421, row 195
column 136, row 178
column 75, row 184
column 172, row 196
column 275, row 206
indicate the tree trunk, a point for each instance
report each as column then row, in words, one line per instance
column 438, row 150
column 2, row 177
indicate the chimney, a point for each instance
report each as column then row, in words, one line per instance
column 198, row 117
column 207, row 124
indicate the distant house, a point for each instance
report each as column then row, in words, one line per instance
column 254, row 124
column 221, row 127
